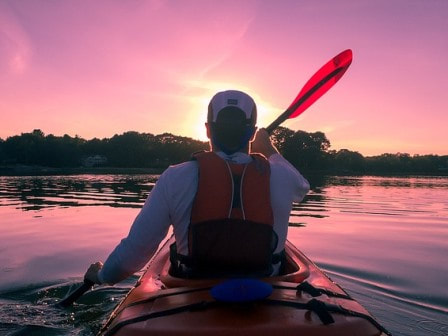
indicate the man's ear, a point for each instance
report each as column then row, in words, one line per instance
column 253, row 134
column 207, row 126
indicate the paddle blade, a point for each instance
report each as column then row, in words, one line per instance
column 72, row 297
column 316, row 86
column 321, row 82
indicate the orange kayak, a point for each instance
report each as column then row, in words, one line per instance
column 303, row 301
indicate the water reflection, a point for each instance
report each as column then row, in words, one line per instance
column 328, row 194
column 36, row 193
column 373, row 195
column 383, row 239
column 433, row 182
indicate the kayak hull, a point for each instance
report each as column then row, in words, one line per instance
column 161, row 304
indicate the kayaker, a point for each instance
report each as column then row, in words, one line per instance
column 229, row 210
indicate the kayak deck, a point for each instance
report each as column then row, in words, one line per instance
column 304, row 301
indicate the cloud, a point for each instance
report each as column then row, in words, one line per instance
column 336, row 126
column 15, row 48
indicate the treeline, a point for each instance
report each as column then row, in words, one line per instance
column 127, row 150
column 310, row 152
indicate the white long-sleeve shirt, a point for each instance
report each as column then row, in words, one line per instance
column 170, row 203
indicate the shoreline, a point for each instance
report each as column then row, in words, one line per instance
column 24, row 170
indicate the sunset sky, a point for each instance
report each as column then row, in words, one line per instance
column 99, row 68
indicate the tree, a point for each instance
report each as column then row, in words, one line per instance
column 279, row 137
column 131, row 149
column 95, row 146
column 2, row 151
column 307, row 151
column 176, row 149
column 345, row 160
column 25, row 148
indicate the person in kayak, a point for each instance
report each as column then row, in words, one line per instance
column 229, row 209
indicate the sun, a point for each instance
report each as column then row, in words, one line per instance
column 194, row 122
column 200, row 131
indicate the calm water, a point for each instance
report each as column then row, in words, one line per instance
column 385, row 240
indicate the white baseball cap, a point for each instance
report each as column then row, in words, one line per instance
column 235, row 99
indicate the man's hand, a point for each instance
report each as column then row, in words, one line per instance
column 262, row 144
column 92, row 272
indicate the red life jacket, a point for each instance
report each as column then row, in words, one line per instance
column 231, row 229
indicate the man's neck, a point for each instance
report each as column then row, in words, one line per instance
column 215, row 148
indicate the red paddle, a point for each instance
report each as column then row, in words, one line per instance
column 316, row 86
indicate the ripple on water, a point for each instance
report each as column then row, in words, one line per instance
column 32, row 310
column 391, row 300
column 431, row 327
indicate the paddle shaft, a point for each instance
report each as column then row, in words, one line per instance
column 75, row 295
column 285, row 115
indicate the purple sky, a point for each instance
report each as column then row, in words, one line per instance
column 97, row 68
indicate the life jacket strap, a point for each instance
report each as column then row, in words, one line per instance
column 306, row 287
column 183, row 266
